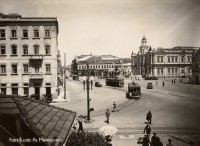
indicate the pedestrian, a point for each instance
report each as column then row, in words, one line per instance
column 149, row 117
column 158, row 142
column 147, row 129
column 170, row 142
column 107, row 116
column 156, row 83
column 115, row 107
column 146, row 141
column 174, row 81
column 163, row 83
column 108, row 140
column 153, row 139
column 80, row 124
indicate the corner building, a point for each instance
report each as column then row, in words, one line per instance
column 28, row 55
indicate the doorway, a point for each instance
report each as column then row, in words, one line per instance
column 37, row 90
column 48, row 90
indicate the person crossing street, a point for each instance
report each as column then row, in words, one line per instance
column 149, row 117
column 107, row 116
column 115, row 107
column 147, row 129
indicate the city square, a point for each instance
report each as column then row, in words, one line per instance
column 99, row 73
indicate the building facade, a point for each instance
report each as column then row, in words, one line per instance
column 28, row 55
column 196, row 67
column 102, row 65
column 173, row 62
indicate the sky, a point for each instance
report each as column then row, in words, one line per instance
column 116, row 27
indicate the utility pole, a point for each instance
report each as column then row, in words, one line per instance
column 65, row 76
column 88, row 97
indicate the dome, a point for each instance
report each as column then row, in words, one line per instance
column 144, row 39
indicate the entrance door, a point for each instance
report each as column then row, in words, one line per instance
column 48, row 90
column 37, row 90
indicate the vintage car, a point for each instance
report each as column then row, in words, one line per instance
column 134, row 90
column 47, row 98
column 149, row 85
column 97, row 84
column 35, row 96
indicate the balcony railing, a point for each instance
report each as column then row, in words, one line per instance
column 36, row 56
column 36, row 76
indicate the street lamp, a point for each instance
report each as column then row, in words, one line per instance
column 88, row 83
column 132, row 62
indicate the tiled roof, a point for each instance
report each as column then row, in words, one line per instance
column 45, row 120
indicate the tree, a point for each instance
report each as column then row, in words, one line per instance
column 74, row 66
column 86, row 139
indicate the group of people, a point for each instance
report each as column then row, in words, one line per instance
column 108, row 112
column 78, row 125
column 155, row 140
column 173, row 81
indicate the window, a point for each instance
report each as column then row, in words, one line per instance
column 182, row 58
column 189, row 58
column 14, row 69
column 197, row 66
column 3, row 89
column 172, row 58
column 36, row 49
column 2, row 50
column 169, row 71
column 47, row 50
column 36, row 33
column 2, row 33
column 48, row 68
column 13, row 33
column 3, row 69
column 158, row 59
column 176, row 70
column 25, row 68
column 37, row 70
column 25, row 49
column 25, row 33
column 158, row 71
column 161, row 58
column 168, row 58
column 26, row 91
column 162, row 71
column 188, row 70
column 176, row 58
column 172, row 70
column 47, row 33
column 14, row 50
column 15, row 89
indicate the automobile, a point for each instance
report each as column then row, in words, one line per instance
column 97, row 84
column 149, row 85
column 35, row 96
column 47, row 98
column 66, row 77
column 134, row 91
column 127, row 76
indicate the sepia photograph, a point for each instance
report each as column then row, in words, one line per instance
column 99, row 72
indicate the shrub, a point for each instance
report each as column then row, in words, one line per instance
column 85, row 139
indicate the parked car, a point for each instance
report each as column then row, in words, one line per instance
column 127, row 76
column 35, row 96
column 47, row 98
column 97, row 84
column 149, row 85
column 67, row 77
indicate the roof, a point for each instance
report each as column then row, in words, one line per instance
column 45, row 120
column 133, row 84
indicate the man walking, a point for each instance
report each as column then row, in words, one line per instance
column 146, row 141
column 149, row 117
column 115, row 107
column 153, row 139
column 107, row 116
column 80, row 124
column 170, row 142
column 147, row 129
column 163, row 83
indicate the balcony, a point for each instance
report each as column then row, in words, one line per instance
column 36, row 57
column 36, row 76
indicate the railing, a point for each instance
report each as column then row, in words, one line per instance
column 36, row 76
column 36, row 56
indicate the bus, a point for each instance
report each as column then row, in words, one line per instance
column 114, row 82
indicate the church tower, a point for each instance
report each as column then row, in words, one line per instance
column 144, row 48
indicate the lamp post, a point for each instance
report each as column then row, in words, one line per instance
column 132, row 62
column 88, row 82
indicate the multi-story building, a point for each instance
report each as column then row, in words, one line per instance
column 173, row 62
column 100, row 64
column 28, row 55
column 196, row 67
